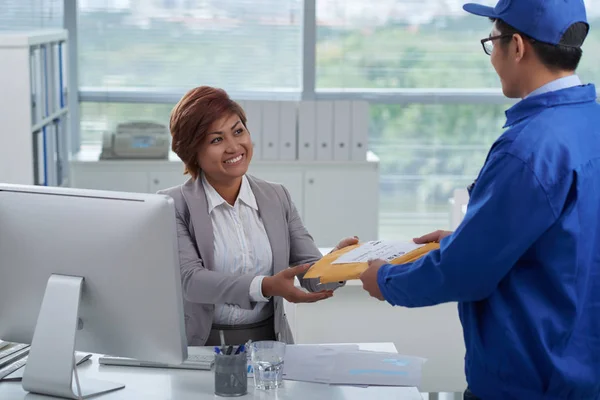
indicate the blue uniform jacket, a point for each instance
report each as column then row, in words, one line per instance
column 524, row 264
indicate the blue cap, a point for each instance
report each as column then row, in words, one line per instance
column 542, row 20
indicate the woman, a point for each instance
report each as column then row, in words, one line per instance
column 237, row 234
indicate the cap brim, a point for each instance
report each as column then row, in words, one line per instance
column 480, row 10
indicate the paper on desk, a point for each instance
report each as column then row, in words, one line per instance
column 387, row 250
column 347, row 365
column 376, row 369
column 312, row 363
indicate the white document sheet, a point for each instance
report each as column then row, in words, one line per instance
column 349, row 366
column 376, row 369
column 378, row 249
column 312, row 363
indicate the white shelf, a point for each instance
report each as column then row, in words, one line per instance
column 48, row 120
column 90, row 154
column 324, row 192
column 34, row 118
column 11, row 39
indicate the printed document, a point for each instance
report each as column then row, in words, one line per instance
column 386, row 250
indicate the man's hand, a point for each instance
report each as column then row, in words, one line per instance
column 369, row 279
column 349, row 241
column 282, row 284
column 432, row 237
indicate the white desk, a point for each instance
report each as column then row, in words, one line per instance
column 162, row 384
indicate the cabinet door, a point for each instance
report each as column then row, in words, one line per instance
column 291, row 179
column 166, row 179
column 99, row 179
column 341, row 202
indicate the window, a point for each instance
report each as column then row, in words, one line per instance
column 399, row 44
column 31, row 14
column 426, row 152
column 180, row 44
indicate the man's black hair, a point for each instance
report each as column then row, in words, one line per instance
column 564, row 56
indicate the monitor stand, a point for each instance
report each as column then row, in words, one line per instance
column 51, row 363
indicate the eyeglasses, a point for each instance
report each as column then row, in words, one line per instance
column 488, row 43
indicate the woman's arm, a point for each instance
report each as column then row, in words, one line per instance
column 201, row 285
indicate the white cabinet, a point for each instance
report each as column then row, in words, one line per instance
column 334, row 199
column 158, row 180
column 346, row 194
column 34, row 109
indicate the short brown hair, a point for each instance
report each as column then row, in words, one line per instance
column 191, row 118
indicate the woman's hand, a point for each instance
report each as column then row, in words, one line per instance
column 282, row 284
column 349, row 241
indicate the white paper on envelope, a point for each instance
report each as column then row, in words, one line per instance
column 376, row 369
column 384, row 249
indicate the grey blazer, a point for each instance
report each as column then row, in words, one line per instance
column 203, row 287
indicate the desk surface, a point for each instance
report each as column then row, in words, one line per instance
column 162, row 384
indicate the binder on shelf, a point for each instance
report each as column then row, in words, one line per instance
column 50, row 154
column 270, row 130
column 324, row 136
column 37, row 83
column 57, row 82
column 51, row 79
column 62, row 58
column 39, row 165
column 307, row 131
column 288, row 123
column 254, row 116
column 62, row 151
column 45, row 81
column 360, row 130
column 341, row 130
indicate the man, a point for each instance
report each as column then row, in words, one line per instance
column 524, row 264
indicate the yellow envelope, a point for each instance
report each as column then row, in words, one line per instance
column 328, row 272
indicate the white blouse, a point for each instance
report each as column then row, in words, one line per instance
column 241, row 246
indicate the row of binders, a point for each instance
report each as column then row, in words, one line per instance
column 50, row 148
column 48, row 80
column 308, row 130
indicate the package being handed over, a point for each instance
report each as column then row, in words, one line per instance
column 349, row 262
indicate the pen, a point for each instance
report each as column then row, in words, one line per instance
column 240, row 349
column 217, row 350
column 229, row 350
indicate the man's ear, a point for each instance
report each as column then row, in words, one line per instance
column 519, row 47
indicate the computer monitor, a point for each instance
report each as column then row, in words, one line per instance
column 99, row 267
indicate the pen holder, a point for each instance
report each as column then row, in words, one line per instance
column 231, row 375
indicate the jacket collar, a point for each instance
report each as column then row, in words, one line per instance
column 214, row 199
column 531, row 106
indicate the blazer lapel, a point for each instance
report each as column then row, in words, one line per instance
column 273, row 218
column 195, row 198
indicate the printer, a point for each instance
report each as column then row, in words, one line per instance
column 136, row 140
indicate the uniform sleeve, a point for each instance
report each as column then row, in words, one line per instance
column 508, row 211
